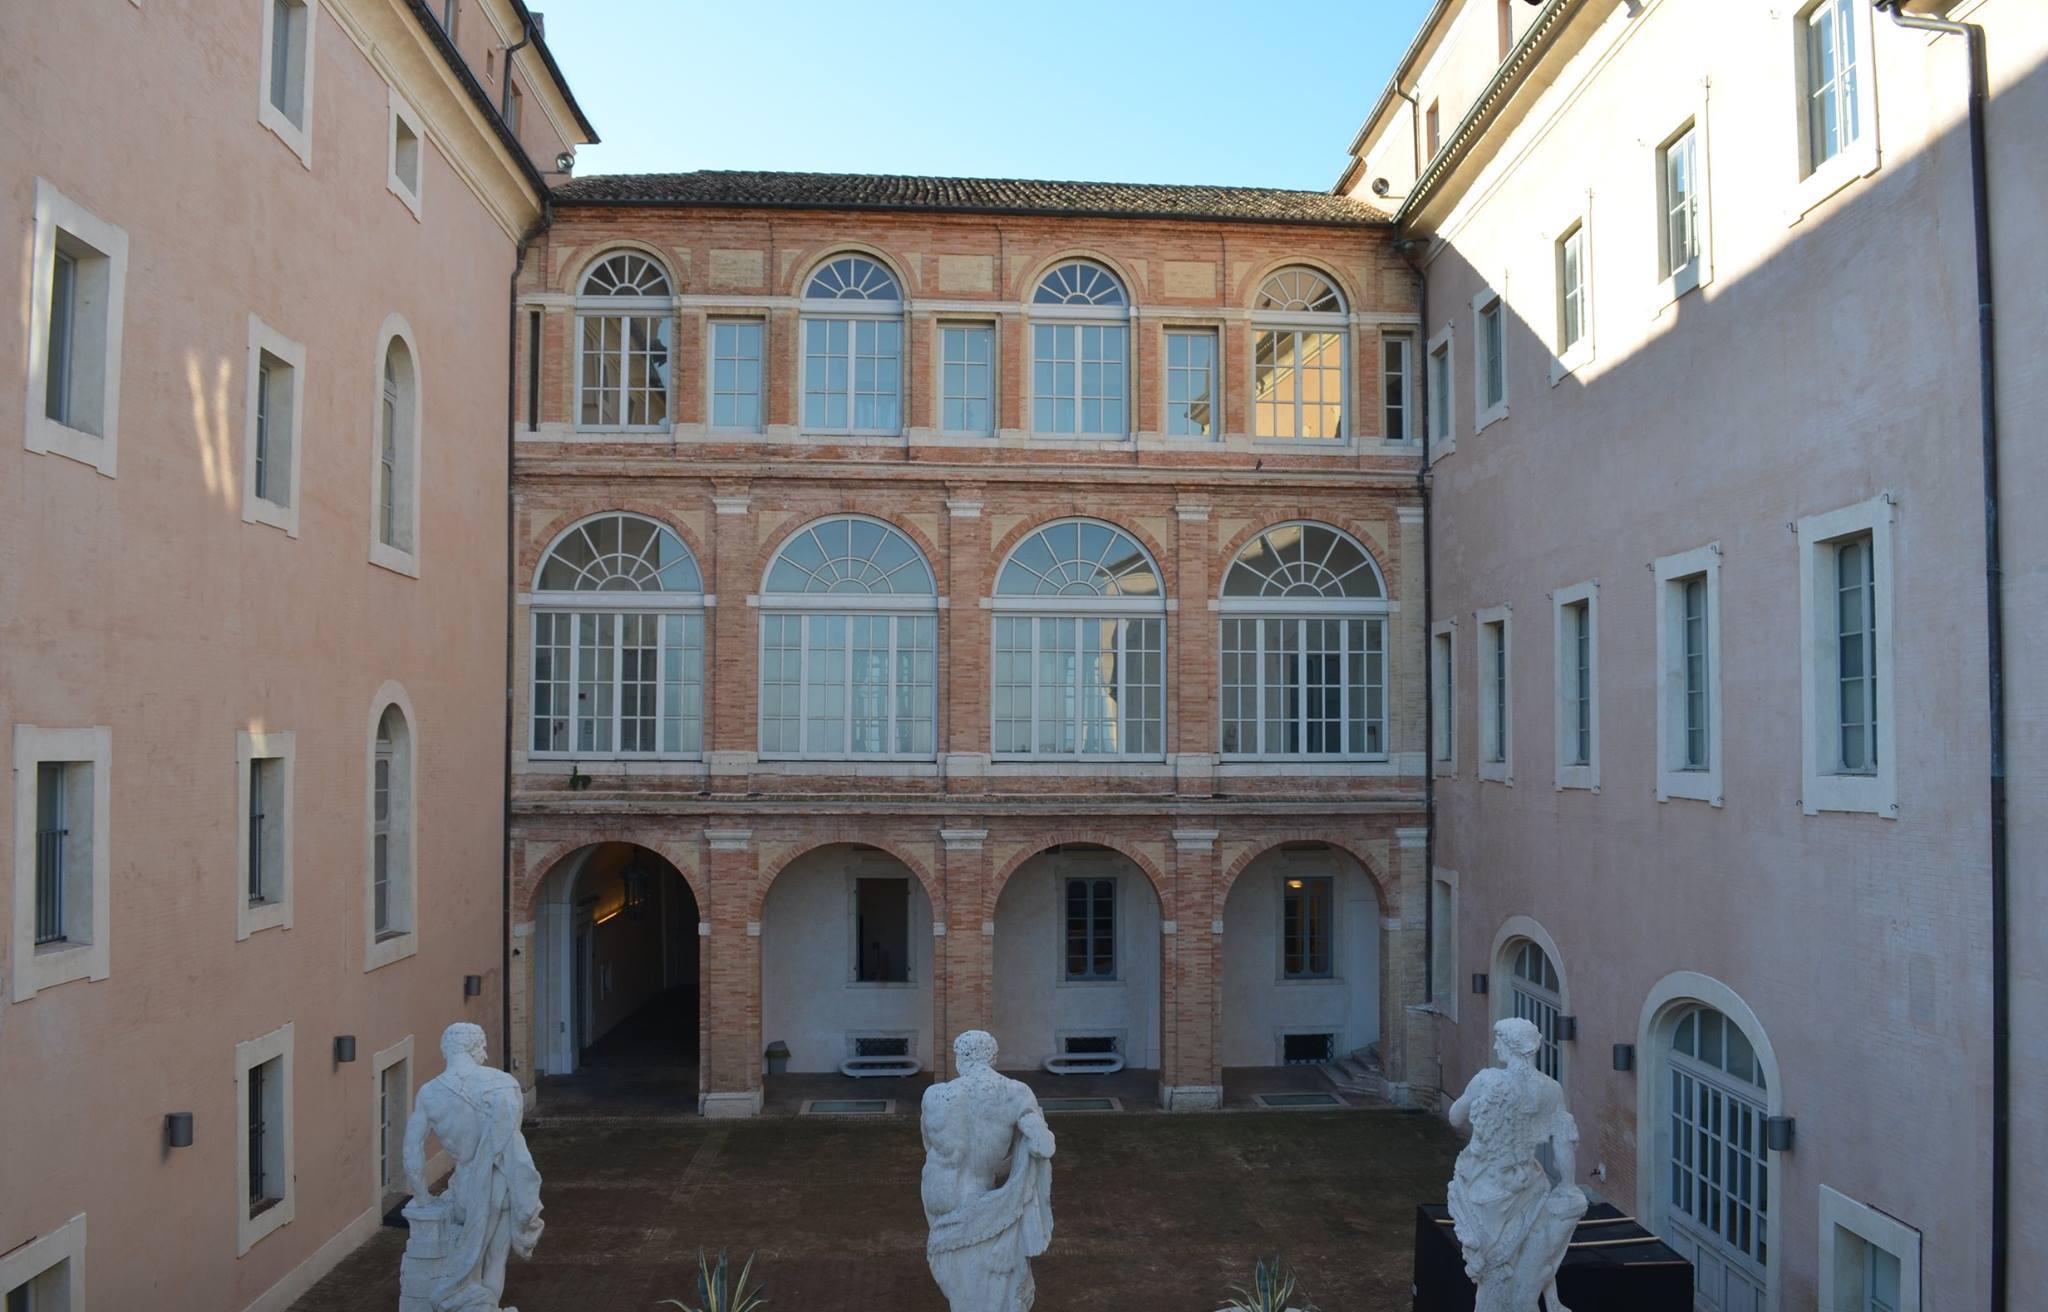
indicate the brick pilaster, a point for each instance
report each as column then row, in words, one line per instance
column 966, row 1002
column 730, row 1051
column 1191, row 1075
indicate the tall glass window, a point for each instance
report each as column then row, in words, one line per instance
column 1579, row 694
column 849, row 645
column 852, row 323
column 1571, row 288
column 1680, row 191
column 623, row 324
column 1832, row 122
column 1190, row 382
column 1091, row 928
column 1298, row 357
column 1304, row 647
column 1397, row 387
column 736, row 374
column 1080, row 353
column 1855, row 656
column 1717, row 1174
column 1080, row 646
column 1693, row 658
column 1306, row 906
column 1534, row 994
column 618, row 643
column 967, row 383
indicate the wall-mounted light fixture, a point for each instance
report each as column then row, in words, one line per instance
column 344, row 1048
column 1479, row 983
column 1624, row 1056
column 472, row 986
column 1778, row 1133
column 177, row 1129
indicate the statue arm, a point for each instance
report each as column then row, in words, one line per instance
column 1564, row 1146
column 415, row 1152
column 1035, row 1131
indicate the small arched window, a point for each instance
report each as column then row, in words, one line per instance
column 1536, row 995
column 1304, row 647
column 1717, row 1205
column 393, row 892
column 623, row 327
column 849, row 644
column 853, row 348
column 396, row 512
column 1298, row 356
column 1080, row 352
column 1080, row 646
column 618, row 643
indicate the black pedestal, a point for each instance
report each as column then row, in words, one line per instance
column 1613, row 1265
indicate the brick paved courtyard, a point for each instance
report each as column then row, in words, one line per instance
column 1151, row 1212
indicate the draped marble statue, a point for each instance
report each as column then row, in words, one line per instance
column 1512, row 1222
column 983, row 1234
column 455, row 1254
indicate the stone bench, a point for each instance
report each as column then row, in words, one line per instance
column 1084, row 1063
column 863, row 1067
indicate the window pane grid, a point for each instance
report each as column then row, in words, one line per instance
column 1492, row 353
column 1831, row 80
column 1091, row 929
column 848, row 685
column 1077, row 377
column 853, row 375
column 1856, row 657
column 1693, row 659
column 966, row 362
column 1396, row 361
column 1190, row 383
column 736, row 376
column 52, row 840
column 380, row 840
column 1582, row 683
column 638, row 681
column 1571, row 257
column 1305, row 908
column 624, row 370
column 1073, row 686
column 1719, row 1177
column 1497, row 691
column 1298, row 384
column 1681, row 202
column 1304, row 687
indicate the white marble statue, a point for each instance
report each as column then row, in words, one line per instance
column 455, row 1255
column 1512, row 1222
column 984, row 1233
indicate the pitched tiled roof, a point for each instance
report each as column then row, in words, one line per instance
column 884, row 191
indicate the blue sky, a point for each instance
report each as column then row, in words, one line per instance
column 1123, row 90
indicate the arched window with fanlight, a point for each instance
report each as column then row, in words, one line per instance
column 1298, row 357
column 618, row 643
column 852, row 317
column 624, row 311
column 1080, row 352
column 1080, row 646
column 1304, row 648
column 849, row 644
column 1715, row 1179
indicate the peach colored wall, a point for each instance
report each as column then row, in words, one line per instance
column 144, row 602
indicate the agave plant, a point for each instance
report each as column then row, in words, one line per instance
column 1272, row 1291
column 717, row 1291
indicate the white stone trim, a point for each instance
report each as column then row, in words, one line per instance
column 1565, row 363
column 1445, row 947
column 36, row 969
column 1444, row 691
column 729, row 840
column 382, row 1060
column 1500, row 771
column 963, row 509
column 1441, row 400
column 263, row 339
column 281, row 746
column 299, row 139
column 1699, row 272
column 1839, row 1211
column 392, row 947
column 1500, row 980
column 963, row 840
column 1412, row 838
column 1188, row 513
column 1823, row 789
column 1484, row 415
column 402, row 112
column 731, row 505
column 1703, row 785
column 1570, row 775
column 251, row 1053
column 1194, row 840
column 1861, row 157
column 54, row 213
column 395, row 558
column 65, row 1247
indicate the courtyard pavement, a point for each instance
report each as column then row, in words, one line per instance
column 1150, row 1211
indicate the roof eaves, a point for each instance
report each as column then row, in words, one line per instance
column 453, row 58
column 1019, row 211
column 547, row 57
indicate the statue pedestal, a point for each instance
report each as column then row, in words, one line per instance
column 428, row 1239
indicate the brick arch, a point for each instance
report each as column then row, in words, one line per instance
column 850, row 504
column 934, row 889
column 1379, row 551
column 682, row 856
column 532, row 550
column 1134, row 287
column 999, row 551
column 1037, row 846
column 1347, row 286
column 1387, row 891
column 818, row 254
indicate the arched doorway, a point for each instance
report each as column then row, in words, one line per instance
column 847, row 960
column 1302, row 947
column 1077, row 960
column 616, row 971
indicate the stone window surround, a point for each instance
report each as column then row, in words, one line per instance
column 1518, row 929
column 382, row 1060
column 249, row 1054
column 1820, row 789
column 281, row 747
column 1442, row 437
column 1563, row 364
column 392, row 947
column 397, row 559
column 1702, row 785
column 1501, row 771
column 57, row 213
column 1838, row 1211
column 402, row 112
column 63, row 1246
column 299, row 139
column 1861, row 157
column 36, row 969
column 1444, row 690
column 1492, row 298
column 1569, row 774
column 265, row 340
column 1689, row 115
column 1445, row 947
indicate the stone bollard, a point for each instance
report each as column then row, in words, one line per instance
column 426, row 1245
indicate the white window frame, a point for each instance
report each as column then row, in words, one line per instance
column 1167, row 369
column 383, row 1060
column 1441, row 404
column 63, row 1247
column 1444, row 695
column 265, row 340
column 1333, row 876
column 1444, row 948
column 1124, row 317
column 249, row 1054
column 942, row 364
column 1840, row 1212
column 1411, row 426
column 1572, row 773
column 1517, row 932
column 395, row 946
column 1815, row 182
column 410, row 193
column 398, row 559
column 711, row 362
column 819, row 310
column 1671, row 572
column 626, row 308
column 1822, row 788
column 296, row 136
column 1492, row 712
column 57, row 214
column 1488, row 301
column 1277, row 323
column 46, row 967
column 280, row 746
column 1567, row 360
column 1675, row 280
column 861, row 872
column 1088, row 870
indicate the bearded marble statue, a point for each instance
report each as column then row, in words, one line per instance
column 1512, row 1222
column 455, row 1254
column 984, row 1233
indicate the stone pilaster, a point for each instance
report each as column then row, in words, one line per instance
column 1408, row 1052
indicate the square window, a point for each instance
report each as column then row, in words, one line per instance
column 1848, row 727
column 1306, row 906
column 79, row 267
column 270, row 430
column 967, row 379
column 406, row 162
column 47, row 1274
column 285, row 106
column 881, row 931
column 1689, row 684
column 60, row 856
column 1869, row 1261
column 1578, row 691
column 1191, row 382
column 263, row 1143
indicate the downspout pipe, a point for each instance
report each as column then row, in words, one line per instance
column 1407, row 247
column 505, row 92
column 1994, row 634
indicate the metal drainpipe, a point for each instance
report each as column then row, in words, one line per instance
column 505, row 92
column 1994, row 634
column 1406, row 246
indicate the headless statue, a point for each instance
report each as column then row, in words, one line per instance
column 984, row 1233
column 1512, row 1222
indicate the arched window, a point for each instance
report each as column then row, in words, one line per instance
column 1298, row 357
column 1716, row 1176
column 1304, row 647
column 849, row 644
column 618, row 643
column 1080, row 646
column 1080, row 352
column 395, row 508
column 853, row 348
column 393, row 901
column 623, row 316
column 1535, row 995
